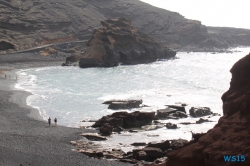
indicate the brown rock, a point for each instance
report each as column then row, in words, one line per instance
column 119, row 42
column 163, row 145
column 152, row 153
column 231, row 135
column 106, row 130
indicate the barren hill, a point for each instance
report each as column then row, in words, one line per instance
column 28, row 23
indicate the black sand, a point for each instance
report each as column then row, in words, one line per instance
column 27, row 139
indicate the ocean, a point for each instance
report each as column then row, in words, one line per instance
column 72, row 94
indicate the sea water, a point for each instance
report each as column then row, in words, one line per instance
column 72, row 94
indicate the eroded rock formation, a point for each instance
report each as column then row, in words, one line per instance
column 119, row 42
column 231, row 135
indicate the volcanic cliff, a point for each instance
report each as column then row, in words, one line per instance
column 231, row 135
column 26, row 24
column 118, row 42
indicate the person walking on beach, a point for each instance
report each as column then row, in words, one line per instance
column 49, row 121
column 55, row 120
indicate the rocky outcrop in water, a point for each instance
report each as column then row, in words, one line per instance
column 119, row 42
column 126, row 120
column 231, row 135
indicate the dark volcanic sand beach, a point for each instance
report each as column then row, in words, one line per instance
column 25, row 138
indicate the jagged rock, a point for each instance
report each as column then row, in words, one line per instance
column 179, row 114
column 152, row 153
column 186, row 123
column 200, row 111
column 93, row 137
column 119, row 42
column 201, row 120
column 163, row 145
column 127, row 120
column 113, row 121
column 231, row 133
column 139, row 144
column 171, row 126
column 123, row 104
column 179, row 108
column 177, row 143
column 152, row 127
column 164, row 113
column 141, row 155
column 106, row 129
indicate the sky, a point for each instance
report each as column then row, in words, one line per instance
column 222, row 13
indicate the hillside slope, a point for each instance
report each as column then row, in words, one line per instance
column 25, row 24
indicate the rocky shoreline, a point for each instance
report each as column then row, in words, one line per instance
column 129, row 122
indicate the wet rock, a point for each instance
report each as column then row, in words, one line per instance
column 200, row 111
column 127, row 120
column 186, row 123
column 201, row 120
column 179, row 114
column 163, row 145
column 118, row 105
column 106, row 129
column 141, row 155
column 164, row 113
column 113, row 121
column 177, row 143
column 133, row 131
column 139, row 144
column 171, row 126
column 123, row 104
column 179, row 108
column 152, row 153
column 152, row 127
column 93, row 137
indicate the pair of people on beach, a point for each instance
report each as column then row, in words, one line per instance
column 49, row 121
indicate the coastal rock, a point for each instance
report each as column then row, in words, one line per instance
column 93, row 137
column 163, row 145
column 92, row 153
column 171, row 126
column 127, row 120
column 139, row 144
column 113, row 121
column 123, row 104
column 179, row 108
column 201, row 120
column 164, row 113
column 119, row 42
column 200, row 111
column 106, row 129
column 177, row 143
column 179, row 114
column 231, row 134
column 152, row 153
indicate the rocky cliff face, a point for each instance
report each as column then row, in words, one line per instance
column 231, row 135
column 25, row 24
column 119, row 42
